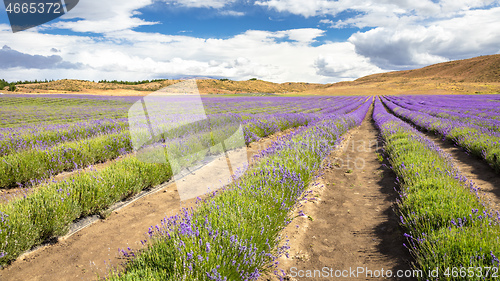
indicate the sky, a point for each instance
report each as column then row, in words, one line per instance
column 316, row 41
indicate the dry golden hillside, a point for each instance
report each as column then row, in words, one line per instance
column 206, row 86
column 469, row 76
column 253, row 86
column 475, row 75
column 485, row 69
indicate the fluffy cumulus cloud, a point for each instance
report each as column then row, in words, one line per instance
column 332, row 7
column 304, row 8
column 304, row 35
column 374, row 13
column 104, row 16
column 405, row 34
column 231, row 13
column 343, row 63
column 472, row 34
column 399, row 34
column 279, row 56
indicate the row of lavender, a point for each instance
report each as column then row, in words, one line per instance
column 469, row 105
column 30, row 158
column 31, row 167
column 483, row 112
column 51, row 127
column 49, row 209
column 22, row 113
column 235, row 234
column 478, row 135
column 451, row 231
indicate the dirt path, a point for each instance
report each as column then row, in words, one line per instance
column 349, row 223
column 475, row 169
column 93, row 249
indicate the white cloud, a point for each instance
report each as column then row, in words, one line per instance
column 104, row 16
column 231, row 13
column 464, row 5
column 409, row 46
column 305, row 8
column 304, row 35
column 341, row 63
column 375, row 13
column 217, row 4
column 10, row 58
column 279, row 56
column 407, row 34
column 5, row 28
column 329, row 7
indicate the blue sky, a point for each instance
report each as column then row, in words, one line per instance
column 321, row 41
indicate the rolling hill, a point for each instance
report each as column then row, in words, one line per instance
column 483, row 69
column 468, row 76
column 206, row 86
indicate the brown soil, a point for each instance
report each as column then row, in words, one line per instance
column 94, row 249
column 7, row 195
column 349, row 221
column 475, row 169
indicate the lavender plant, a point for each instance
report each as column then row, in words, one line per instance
column 478, row 140
column 28, row 158
column 234, row 234
column 49, row 209
column 448, row 224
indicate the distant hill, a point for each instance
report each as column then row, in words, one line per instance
column 470, row 76
column 206, row 86
column 484, row 69
column 254, row 86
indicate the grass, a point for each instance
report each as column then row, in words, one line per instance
column 32, row 153
column 33, row 165
column 22, row 111
column 16, row 142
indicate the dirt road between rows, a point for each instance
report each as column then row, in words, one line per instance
column 349, row 224
column 94, row 249
column 474, row 168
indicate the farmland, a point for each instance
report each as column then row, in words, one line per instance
column 396, row 200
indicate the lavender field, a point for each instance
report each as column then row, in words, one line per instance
column 45, row 136
column 236, row 232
